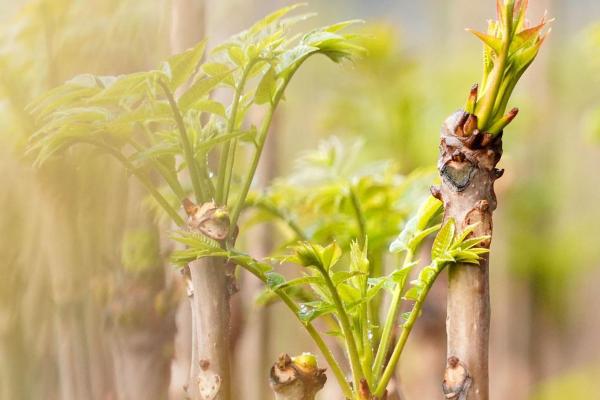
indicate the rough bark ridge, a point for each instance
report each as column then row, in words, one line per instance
column 293, row 381
column 467, row 165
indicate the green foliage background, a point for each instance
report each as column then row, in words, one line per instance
column 546, row 258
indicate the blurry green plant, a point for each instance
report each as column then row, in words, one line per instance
column 165, row 124
column 137, row 119
column 56, row 332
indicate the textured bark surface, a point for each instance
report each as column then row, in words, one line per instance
column 290, row 381
column 210, row 372
column 467, row 166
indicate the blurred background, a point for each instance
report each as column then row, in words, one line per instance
column 90, row 307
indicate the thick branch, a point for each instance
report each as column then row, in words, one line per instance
column 467, row 165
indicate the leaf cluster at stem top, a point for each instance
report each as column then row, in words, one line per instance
column 510, row 46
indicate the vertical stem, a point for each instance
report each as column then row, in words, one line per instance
column 406, row 329
column 467, row 190
column 390, row 321
column 187, row 146
column 228, row 154
column 357, row 372
column 212, row 337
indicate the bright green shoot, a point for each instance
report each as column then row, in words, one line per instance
column 510, row 46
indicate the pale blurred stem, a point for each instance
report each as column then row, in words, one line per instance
column 227, row 158
column 187, row 146
column 243, row 261
column 485, row 114
column 360, row 218
column 260, row 144
column 357, row 372
column 390, row 321
column 388, row 373
column 170, row 179
column 144, row 180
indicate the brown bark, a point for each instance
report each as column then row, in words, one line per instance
column 210, row 372
column 291, row 381
column 467, row 166
column 211, row 287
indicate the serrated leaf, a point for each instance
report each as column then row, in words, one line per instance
column 443, row 240
column 272, row 18
column 199, row 89
column 182, row 66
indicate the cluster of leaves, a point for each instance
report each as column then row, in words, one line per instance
column 164, row 122
column 331, row 194
column 510, row 46
column 341, row 289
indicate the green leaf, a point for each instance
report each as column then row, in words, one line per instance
column 272, row 18
column 342, row 276
column 306, row 254
column 236, row 54
column 274, row 280
column 413, row 294
column 492, row 42
column 348, row 294
column 287, row 61
column 330, row 255
column 420, row 236
column 266, row 87
column 399, row 276
column 341, row 25
column 443, row 240
column 199, row 89
column 304, row 280
column 307, row 312
column 375, row 286
column 415, row 229
column 182, row 66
